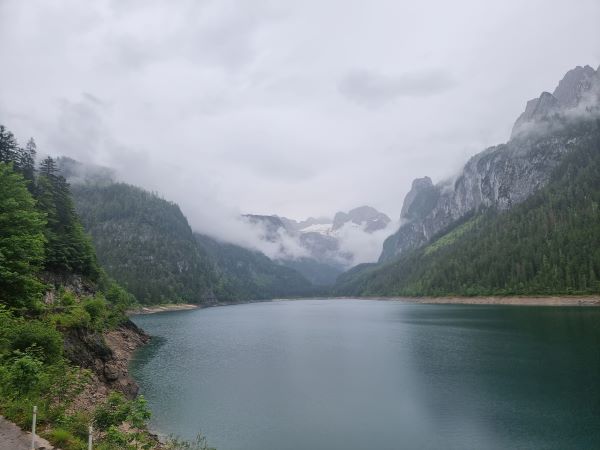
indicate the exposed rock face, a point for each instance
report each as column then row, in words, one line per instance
column 536, row 109
column 106, row 355
column 420, row 200
column 580, row 86
column 573, row 87
column 500, row 176
column 365, row 216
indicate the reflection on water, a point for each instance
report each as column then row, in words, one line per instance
column 358, row 374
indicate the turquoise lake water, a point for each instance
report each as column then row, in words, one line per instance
column 364, row 374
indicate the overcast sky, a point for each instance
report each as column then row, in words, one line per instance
column 297, row 108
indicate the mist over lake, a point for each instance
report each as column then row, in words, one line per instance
column 357, row 374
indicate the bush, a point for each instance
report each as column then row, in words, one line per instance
column 112, row 413
column 61, row 437
column 22, row 375
column 75, row 317
column 97, row 309
column 35, row 334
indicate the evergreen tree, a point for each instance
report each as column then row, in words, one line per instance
column 9, row 148
column 68, row 249
column 21, row 240
column 27, row 162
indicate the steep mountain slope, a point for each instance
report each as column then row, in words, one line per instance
column 145, row 243
column 502, row 176
column 547, row 244
column 250, row 275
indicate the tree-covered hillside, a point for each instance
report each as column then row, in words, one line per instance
column 549, row 244
column 145, row 243
column 250, row 275
column 52, row 293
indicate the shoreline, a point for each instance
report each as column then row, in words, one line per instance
column 542, row 300
column 154, row 309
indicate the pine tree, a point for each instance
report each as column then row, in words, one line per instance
column 21, row 240
column 68, row 249
column 9, row 148
column 27, row 163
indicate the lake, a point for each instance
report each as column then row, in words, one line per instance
column 365, row 374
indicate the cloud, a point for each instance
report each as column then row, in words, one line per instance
column 364, row 247
column 372, row 89
column 250, row 106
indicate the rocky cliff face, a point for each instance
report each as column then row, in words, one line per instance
column 500, row 176
column 580, row 87
column 107, row 357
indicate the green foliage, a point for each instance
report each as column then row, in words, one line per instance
column 63, row 438
column 21, row 335
column 452, row 236
column 21, row 241
column 549, row 244
column 117, row 410
column 145, row 243
column 39, row 230
column 68, row 249
column 21, row 374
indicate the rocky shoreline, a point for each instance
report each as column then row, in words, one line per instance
column 163, row 308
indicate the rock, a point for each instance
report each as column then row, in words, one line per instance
column 365, row 216
column 572, row 88
column 420, row 199
column 111, row 372
column 580, row 87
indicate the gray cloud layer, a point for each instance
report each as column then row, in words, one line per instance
column 373, row 89
column 294, row 108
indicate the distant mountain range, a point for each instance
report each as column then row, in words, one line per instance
column 326, row 252
column 519, row 218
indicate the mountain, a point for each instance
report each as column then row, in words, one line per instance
column 521, row 217
column 145, row 243
column 578, row 89
column 245, row 274
column 501, row 176
column 323, row 248
column 366, row 217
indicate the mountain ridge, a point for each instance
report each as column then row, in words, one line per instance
column 503, row 175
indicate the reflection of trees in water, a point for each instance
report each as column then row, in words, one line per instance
column 512, row 375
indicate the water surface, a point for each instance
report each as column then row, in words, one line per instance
column 363, row 374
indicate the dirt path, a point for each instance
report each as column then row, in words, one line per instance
column 13, row 438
